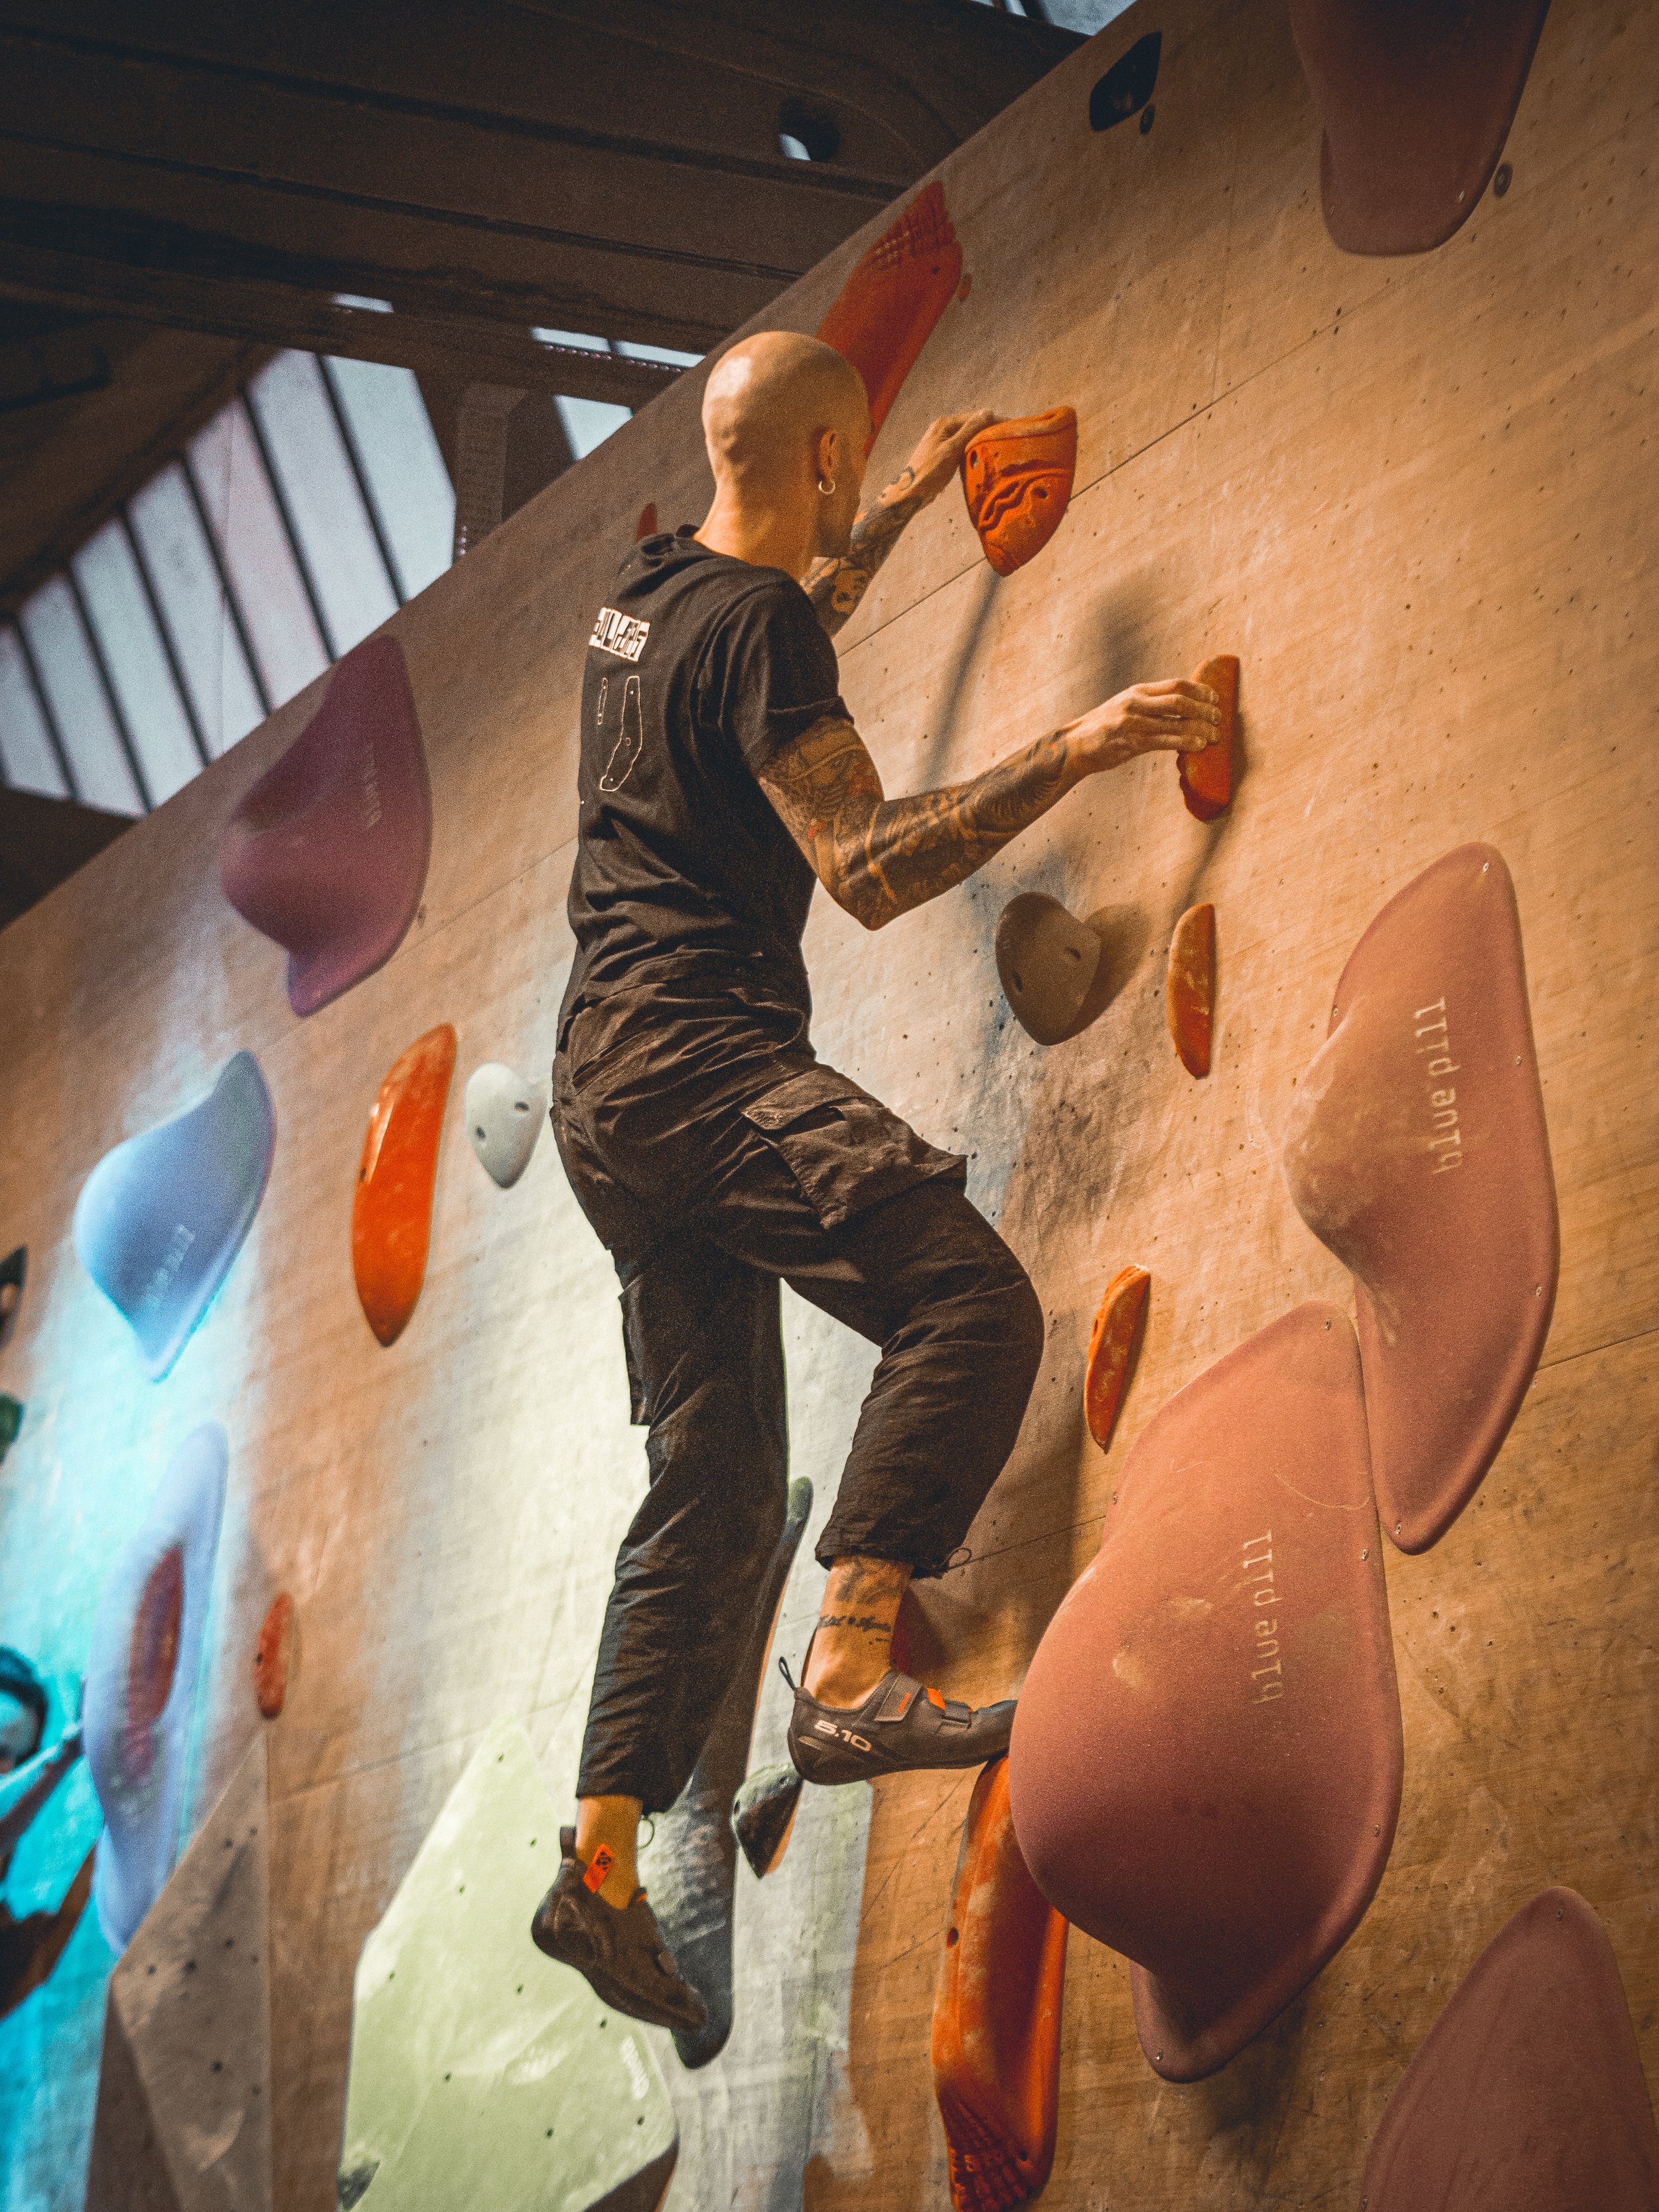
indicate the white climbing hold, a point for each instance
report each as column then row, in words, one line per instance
column 504, row 1117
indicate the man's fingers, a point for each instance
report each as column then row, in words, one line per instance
column 1177, row 687
column 1192, row 702
column 953, row 429
column 1162, row 735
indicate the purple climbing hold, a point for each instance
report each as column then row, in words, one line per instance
column 327, row 854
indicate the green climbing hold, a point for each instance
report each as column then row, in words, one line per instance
column 458, row 2078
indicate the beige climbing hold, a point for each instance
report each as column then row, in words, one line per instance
column 1047, row 960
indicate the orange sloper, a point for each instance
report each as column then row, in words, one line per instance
column 1206, row 778
column 996, row 2017
column 885, row 311
column 1017, row 478
column 391, row 1212
column 1111, row 1343
column 272, row 1655
column 1190, row 987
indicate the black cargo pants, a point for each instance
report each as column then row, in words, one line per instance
column 715, row 1157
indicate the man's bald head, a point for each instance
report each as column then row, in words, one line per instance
column 783, row 415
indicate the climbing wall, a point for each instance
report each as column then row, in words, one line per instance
column 1415, row 496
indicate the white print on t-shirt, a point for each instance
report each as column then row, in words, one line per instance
column 623, row 635
column 626, row 750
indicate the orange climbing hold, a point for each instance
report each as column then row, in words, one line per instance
column 1206, row 778
column 391, row 1213
column 996, row 2017
column 152, row 1661
column 272, row 1655
column 1190, row 987
column 885, row 311
column 1016, row 478
column 1111, row 1345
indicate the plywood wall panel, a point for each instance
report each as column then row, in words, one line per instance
column 1425, row 523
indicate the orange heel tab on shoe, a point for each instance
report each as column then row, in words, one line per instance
column 598, row 1866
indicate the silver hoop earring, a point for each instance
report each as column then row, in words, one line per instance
column 826, row 488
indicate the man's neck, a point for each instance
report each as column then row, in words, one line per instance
column 766, row 536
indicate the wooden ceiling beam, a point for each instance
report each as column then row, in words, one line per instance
column 596, row 165
column 281, row 315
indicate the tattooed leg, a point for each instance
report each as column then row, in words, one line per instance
column 836, row 588
column 850, row 1647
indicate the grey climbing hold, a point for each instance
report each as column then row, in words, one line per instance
column 504, row 1117
column 762, row 1813
column 692, row 1862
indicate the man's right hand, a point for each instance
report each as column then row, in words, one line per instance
column 1172, row 716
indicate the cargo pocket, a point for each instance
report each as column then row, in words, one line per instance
column 843, row 1147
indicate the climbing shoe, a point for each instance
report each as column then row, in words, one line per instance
column 899, row 1726
column 621, row 1953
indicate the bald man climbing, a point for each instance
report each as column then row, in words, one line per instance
column 716, row 1156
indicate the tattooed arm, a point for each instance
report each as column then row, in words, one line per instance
column 835, row 587
column 879, row 857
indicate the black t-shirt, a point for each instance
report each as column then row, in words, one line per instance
column 700, row 668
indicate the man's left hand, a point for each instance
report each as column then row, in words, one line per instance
column 938, row 456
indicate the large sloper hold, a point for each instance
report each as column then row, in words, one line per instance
column 996, row 2014
column 1046, row 960
column 1111, row 1347
column 1417, row 1150
column 1207, row 1760
column 1207, row 777
column 1417, row 99
column 884, row 314
column 160, row 1218
column 1189, row 988
column 327, row 854
column 141, row 1681
column 504, row 1117
column 1017, row 478
column 691, row 1865
column 184, row 2097
column 397, row 1178
column 1528, row 2094
column 483, row 2073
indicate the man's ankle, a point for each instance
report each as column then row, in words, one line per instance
column 840, row 1684
column 607, row 1831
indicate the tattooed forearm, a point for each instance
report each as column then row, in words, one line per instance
column 872, row 1624
column 879, row 857
column 836, row 588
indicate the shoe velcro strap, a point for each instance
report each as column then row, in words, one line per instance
column 901, row 1696
column 958, row 1715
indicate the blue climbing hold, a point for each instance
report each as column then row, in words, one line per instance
column 161, row 1218
column 141, row 1682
